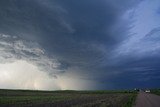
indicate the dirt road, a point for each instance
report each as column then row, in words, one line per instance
column 147, row 100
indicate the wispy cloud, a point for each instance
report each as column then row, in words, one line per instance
column 13, row 48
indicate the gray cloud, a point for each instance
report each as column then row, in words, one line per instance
column 13, row 48
column 91, row 39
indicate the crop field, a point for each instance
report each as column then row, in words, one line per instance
column 28, row 98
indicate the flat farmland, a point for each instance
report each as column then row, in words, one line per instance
column 29, row 98
column 155, row 91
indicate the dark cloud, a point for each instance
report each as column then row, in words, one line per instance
column 81, row 34
column 139, row 66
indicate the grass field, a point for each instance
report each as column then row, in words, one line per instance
column 155, row 91
column 28, row 98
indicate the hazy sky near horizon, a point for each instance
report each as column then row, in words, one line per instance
column 79, row 44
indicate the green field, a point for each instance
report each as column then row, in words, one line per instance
column 28, row 98
column 155, row 91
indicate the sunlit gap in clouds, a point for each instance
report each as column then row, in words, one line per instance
column 24, row 65
column 23, row 75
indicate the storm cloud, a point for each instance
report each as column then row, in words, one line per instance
column 98, row 44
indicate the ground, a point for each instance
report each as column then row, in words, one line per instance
column 25, row 98
column 147, row 100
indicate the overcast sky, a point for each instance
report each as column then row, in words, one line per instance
column 79, row 44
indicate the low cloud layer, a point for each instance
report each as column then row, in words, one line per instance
column 14, row 48
column 98, row 44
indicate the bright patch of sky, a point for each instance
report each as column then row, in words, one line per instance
column 25, row 65
column 144, row 19
column 23, row 75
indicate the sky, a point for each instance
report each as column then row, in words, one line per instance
column 79, row 44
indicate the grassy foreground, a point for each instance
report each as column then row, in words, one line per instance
column 155, row 91
column 28, row 98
